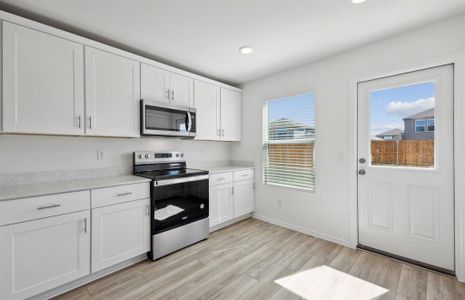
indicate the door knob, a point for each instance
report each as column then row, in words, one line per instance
column 362, row 172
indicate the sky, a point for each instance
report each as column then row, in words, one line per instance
column 299, row 108
column 390, row 106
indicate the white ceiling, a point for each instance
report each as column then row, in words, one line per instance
column 204, row 35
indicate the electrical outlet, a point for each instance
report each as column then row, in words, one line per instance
column 279, row 202
column 100, row 154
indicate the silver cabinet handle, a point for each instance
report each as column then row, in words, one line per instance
column 79, row 121
column 48, row 206
column 85, row 225
column 362, row 172
column 172, row 95
column 124, row 194
column 219, row 132
column 168, row 94
column 245, row 175
column 222, row 132
column 232, row 191
column 147, row 210
column 221, row 178
column 90, row 122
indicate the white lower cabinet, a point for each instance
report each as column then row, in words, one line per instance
column 39, row 255
column 221, row 204
column 232, row 195
column 243, row 197
column 120, row 232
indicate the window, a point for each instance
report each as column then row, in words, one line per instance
column 288, row 141
column 388, row 137
column 419, row 125
column 430, row 125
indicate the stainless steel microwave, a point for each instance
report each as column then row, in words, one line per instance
column 160, row 118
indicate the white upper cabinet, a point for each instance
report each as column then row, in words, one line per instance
column 43, row 83
column 231, row 106
column 218, row 112
column 161, row 85
column 207, row 103
column 154, row 83
column 112, row 94
column 181, row 90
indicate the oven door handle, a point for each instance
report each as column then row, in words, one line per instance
column 179, row 180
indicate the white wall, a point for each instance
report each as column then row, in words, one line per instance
column 20, row 153
column 327, row 211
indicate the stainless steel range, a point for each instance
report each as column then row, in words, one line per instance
column 179, row 201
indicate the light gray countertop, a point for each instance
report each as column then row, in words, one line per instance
column 10, row 192
column 222, row 169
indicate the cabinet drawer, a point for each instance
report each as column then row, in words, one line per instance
column 15, row 211
column 120, row 194
column 243, row 175
column 221, row 178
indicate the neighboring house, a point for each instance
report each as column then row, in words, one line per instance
column 393, row 134
column 286, row 129
column 419, row 126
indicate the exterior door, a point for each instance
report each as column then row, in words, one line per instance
column 405, row 152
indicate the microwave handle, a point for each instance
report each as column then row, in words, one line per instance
column 189, row 121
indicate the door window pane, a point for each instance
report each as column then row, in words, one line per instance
column 402, row 126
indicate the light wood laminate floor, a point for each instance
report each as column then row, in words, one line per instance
column 243, row 260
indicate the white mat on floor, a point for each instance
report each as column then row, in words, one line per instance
column 327, row 283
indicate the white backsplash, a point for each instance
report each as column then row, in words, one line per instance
column 29, row 159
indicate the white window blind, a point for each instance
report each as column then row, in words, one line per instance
column 289, row 140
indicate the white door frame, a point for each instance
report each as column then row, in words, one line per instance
column 458, row 60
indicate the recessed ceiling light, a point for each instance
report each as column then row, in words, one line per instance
column 245, row 49
column 358, row 1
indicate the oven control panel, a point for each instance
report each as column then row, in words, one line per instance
column 149, row 157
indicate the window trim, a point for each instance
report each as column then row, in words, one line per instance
column 282, row 95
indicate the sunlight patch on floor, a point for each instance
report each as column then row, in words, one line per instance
column 327, row 283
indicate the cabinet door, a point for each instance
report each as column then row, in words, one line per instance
column 243, row 197
column 231, row 103
column 221, row 204
column 112, row 94
column 40, row 255
column 154, row 83
column 181, row 89
column 43, row 83
column 207, row 103
column 120, row 232
column 214, row 206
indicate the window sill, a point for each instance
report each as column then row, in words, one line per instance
column 310, row 190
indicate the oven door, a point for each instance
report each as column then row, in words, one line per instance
column 177, row 202
column 159, row 118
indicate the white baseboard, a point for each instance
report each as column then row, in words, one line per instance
column 89, row 278
column 230, row 222
column 304, row 230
